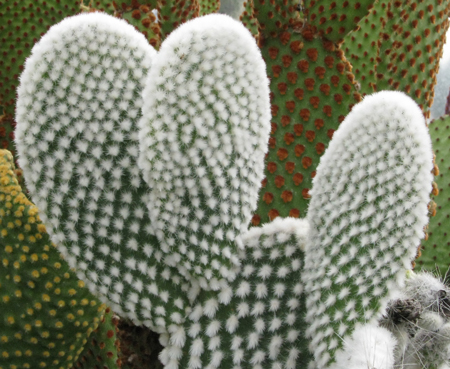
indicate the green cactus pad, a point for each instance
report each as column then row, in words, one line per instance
column 411, row 48
column 47, row 314
column 22, row 23
column 172, row 13
column 78, row 106
column 361, row 46
column 367, row 213
column 209, row 6
column 311, row 92
column 106, row 6
column 335, row 19
column 101, row 350
column 436, row 250
column 248, row 18
column 143, row 19
column 203, row 137
column 275, row 17
column 257, row 320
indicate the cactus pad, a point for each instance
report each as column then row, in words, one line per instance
column 22, row 23
column 436, row 250
column 367, row 214
column 311, row 92
column 47, row 313
column 79, row 101
column 203, row 137
column 335, row 19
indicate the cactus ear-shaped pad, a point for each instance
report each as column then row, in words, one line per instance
column 79, row 102
column 257, row 320
column 367, row 214
column 204, row 132
column 47, row 314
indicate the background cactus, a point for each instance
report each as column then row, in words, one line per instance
column 47, row 313
column 286, row 20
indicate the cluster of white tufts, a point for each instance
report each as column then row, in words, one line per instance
column 367, row 213
column 79, row 101
column 256, row 321
column 428, row 343
column 203, row 136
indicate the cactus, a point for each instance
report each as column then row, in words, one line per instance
column 19, row 32
column 367, row 214
column 436, row 248
column 336, row 19
column 203, row 134
column 184, row 295
column 102, row 349
column 47, row 314
column 110, row 189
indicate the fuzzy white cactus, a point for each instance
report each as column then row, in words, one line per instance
column 204, row 133
column 367, row 213
column 78, row 105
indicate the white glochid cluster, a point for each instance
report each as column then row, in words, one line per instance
column 78, row 104
column 367, row 214
column 203, row 136
column 255, row 321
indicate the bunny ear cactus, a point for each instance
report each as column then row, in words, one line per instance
column 47, row 314
column 367, row 213
column 203, row 135
column 79, row 101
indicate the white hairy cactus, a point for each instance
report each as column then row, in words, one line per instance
column 78, row 105
column 257, row 320
column 204, row 133
column 367, row 213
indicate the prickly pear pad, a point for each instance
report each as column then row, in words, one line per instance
column 79, row 101
column 367, row 213
column 203, row 137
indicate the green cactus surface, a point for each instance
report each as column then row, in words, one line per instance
column 335, row 19
column 22, row 23
column 275, row 17
column 312, row 90
column 102, row 349
column 47, row 313
column 436, row 250
column 209, row 6
column 248, row 18
column 176, row 12
column 404, row 56
column 142, row 18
